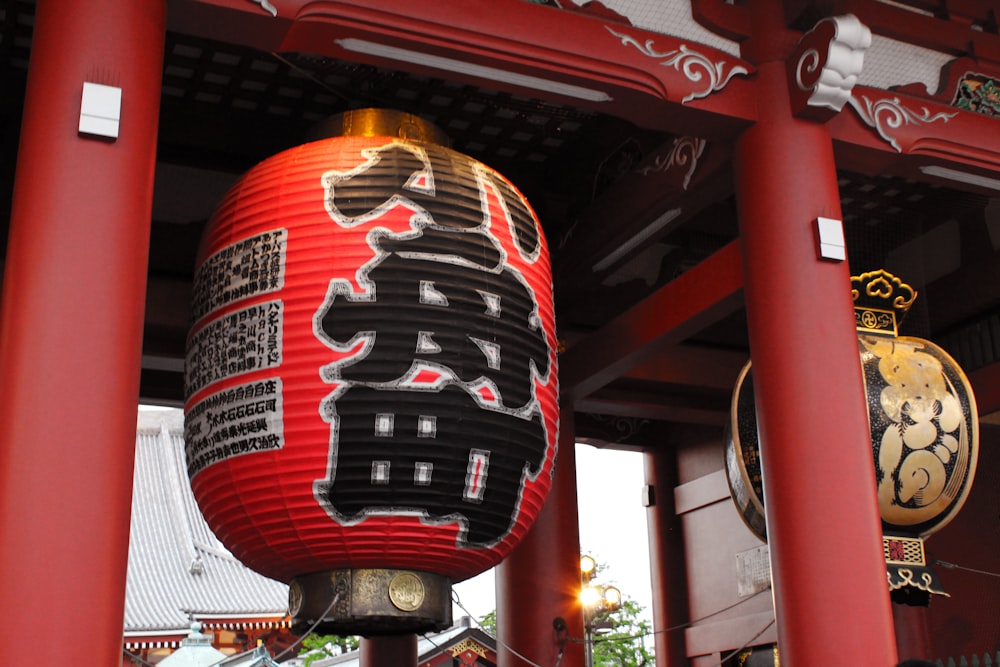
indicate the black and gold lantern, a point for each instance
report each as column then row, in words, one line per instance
column 924, row 435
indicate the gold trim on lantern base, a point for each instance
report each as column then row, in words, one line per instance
column 900, row 550
column 370, row 602
column 910, row 580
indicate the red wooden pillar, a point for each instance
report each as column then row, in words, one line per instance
column 668, row 574
column 823, row 525
column 389, row 651
column 912, row 631
column 538, row 584
column 71, row 328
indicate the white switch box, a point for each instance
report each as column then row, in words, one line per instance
column 831, row 239
column 100, row 110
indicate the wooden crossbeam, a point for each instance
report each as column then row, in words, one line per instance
column 705, row 294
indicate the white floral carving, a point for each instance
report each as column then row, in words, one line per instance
column 809, row 64
column 692, row 64
column 266, row 6
column 684, row 151
column 832, row 84
column 890, row 114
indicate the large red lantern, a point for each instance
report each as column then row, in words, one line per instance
column 371, row 393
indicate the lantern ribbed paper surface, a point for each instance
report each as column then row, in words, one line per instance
column 371, row 376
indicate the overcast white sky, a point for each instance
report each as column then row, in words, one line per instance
column 612, row 530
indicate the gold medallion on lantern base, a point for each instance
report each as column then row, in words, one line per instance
column 370, row 602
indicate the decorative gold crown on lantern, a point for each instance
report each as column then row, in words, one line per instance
column 880, row 301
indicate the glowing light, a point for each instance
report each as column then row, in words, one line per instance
column 590, row 596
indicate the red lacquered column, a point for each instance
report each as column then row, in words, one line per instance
column 389, row 651
column 823, row 522
column 538, row 584
column 912, row 631
column 71, row 328
column 668, row 573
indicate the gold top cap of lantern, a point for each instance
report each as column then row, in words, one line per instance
column 881, row 300
column 380, row 123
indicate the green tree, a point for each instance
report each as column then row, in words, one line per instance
column 489, row 623
column 625, row 644
column 318, row 647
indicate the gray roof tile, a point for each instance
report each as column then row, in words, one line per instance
column 177, row 569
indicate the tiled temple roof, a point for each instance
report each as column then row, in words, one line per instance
column 177, row 569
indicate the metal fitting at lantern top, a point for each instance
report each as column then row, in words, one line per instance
column 379, row 123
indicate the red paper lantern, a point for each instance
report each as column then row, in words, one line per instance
column 371, row 379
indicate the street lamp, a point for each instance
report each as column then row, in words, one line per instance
column 598, row 600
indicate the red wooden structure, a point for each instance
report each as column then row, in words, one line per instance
column 709, row 174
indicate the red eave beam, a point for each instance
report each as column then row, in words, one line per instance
column 627, row 72
column 897, row 132
column 695, row 366
column 233, row 21
column 705, row 294
column 643, row 405
column 477, row 38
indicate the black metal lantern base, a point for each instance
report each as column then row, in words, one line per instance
column 370, row 602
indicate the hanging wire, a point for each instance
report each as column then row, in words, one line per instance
column 311, row 76
column 941, row 563
column 133, row 656
column 312, row 627
column 713, row 614
column 529, row 662
column 681, row 626
column 458, row 603
column 953, row 566
column 432, row 642
column 748, row 642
